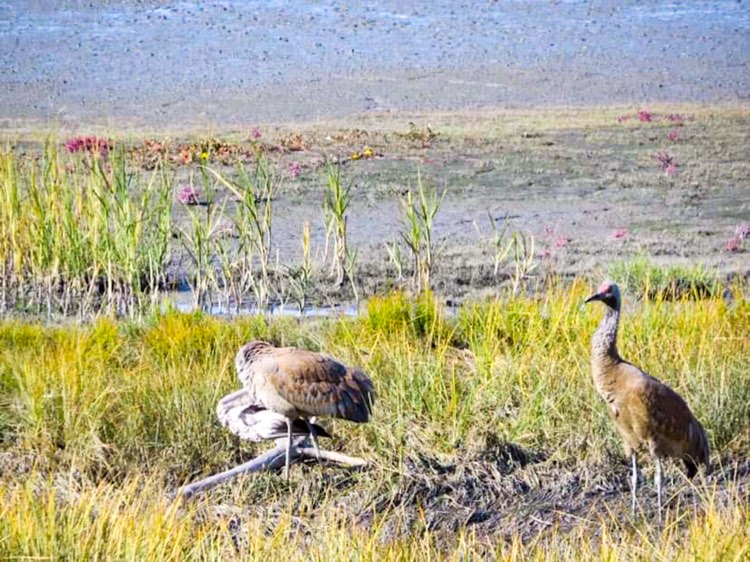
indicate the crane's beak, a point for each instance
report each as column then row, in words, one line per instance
column 595, row 297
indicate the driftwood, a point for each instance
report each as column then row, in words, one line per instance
column 268, row 461
column 239, row 416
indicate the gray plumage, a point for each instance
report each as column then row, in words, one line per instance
column 251, row 422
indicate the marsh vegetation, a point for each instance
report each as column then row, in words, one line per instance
column 488, row 438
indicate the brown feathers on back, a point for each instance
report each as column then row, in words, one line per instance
column 296, row 381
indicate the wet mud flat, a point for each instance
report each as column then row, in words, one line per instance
column 161, row 65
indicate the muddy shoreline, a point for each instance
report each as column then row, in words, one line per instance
column 155, row 65
column 584, row 186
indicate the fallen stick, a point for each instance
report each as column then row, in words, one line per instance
column 269, row 460
column 339, row 458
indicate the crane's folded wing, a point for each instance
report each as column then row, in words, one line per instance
column 320, row 385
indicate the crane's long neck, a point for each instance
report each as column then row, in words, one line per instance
column 604, row 344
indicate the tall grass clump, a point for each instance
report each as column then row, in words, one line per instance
column 516, row 244
column 418, row 234
column 82, row 232
column 300, row 277
column 336, row 202
column 200, row 242
column 253, row 221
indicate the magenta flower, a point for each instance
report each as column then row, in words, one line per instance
column 188, row 195
column 645, row 116
column 294, row 169
column 92, row 145
column 673, row 135
column 620, row 233
column 667, row 162
column 255, row 133
column 561, row 241
column 732, row 245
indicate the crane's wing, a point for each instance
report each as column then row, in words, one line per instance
column 241, row 416
column 319, row 385
column 667, row 414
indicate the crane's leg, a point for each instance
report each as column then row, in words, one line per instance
column 313, row 438
column 288, row 448
column 633, row 481
column 657, row 481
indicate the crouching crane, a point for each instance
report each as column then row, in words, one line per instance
column 297, row 385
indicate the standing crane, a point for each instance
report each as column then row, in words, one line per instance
column 648, row 414
column 299, row 384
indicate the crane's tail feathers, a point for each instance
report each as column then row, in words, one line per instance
column 356, row 396
column 700, row 451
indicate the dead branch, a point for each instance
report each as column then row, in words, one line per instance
column 269, row 460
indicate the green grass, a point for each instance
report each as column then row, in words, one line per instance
column 644, row 279
column 488, row 439
column 100, row 422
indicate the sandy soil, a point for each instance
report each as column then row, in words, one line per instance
column 179, row 65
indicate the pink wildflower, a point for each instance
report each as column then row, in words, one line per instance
column 294, row 169
column 732, row 245
column 620, row 233
column 645, row 116
column 255, row 133
column 561, row 241
column 94, row 145
column 667, row 162
column 188, row 195
column 673, row 135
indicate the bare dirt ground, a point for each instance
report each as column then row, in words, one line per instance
column 586, row 184
column 157, row 65
column 587, row 187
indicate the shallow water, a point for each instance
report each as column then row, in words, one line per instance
column 184, row 302
column 239, row 62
